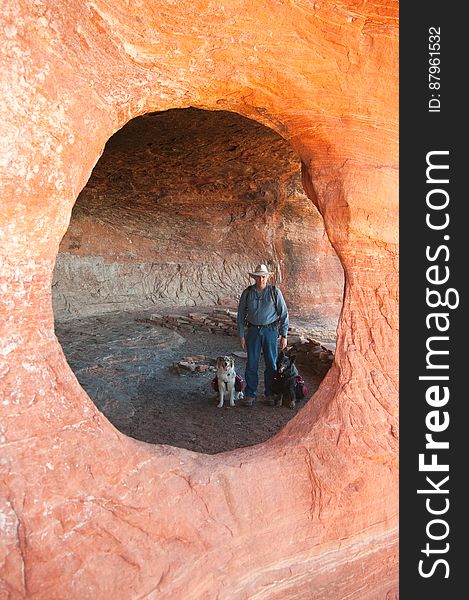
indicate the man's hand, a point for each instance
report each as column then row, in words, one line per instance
column 242, row 343
column 283, row 343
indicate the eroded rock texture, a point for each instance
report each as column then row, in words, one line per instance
column 89, row 513
column 180, row 207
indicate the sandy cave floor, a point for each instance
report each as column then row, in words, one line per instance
column 126, row 365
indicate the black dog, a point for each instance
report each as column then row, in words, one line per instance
column 284, row 383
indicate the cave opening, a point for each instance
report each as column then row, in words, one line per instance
column 179, row 208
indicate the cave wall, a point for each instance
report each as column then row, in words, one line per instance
column 180, row 206
column 89, row 513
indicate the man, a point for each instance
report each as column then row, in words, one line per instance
column 263, row 313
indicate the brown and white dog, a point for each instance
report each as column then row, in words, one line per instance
column 226, row 379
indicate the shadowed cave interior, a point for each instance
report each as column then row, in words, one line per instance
column 180, row 206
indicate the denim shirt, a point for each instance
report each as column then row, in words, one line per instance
column 258, row 308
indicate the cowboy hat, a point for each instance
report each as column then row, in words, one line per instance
column 260, row 270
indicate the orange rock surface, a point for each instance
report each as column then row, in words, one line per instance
column 86, row 512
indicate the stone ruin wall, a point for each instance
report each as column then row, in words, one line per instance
column 180, row 206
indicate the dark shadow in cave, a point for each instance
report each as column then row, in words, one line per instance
column 177, row 210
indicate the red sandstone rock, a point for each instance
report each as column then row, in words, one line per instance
column 89, row 513
column 170, row 192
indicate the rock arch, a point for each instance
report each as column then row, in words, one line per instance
column 87, row 512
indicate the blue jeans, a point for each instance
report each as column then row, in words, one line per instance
column 257, row 339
